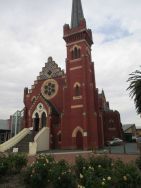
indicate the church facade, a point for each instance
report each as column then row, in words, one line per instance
column 68, row 102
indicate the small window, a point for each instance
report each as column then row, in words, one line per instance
column 59, row 137
column 77, row 90
column 75, row 53
column 111, row 123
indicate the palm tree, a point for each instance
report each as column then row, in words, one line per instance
column 135, row 89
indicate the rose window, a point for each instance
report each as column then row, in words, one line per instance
column 49, row 89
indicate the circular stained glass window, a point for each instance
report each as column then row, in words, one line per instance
column 49, row 88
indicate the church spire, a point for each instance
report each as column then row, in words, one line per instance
column 77, row 13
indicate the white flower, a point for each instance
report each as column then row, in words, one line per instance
column 104, row 179
column 80, row 186
column 99, row 166
column 109, row 178
column 125, row 178
column 81, row 176
column 103, row 183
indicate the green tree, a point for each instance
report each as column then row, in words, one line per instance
column 135, row 88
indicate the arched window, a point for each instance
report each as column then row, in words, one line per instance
column 59, row 137
column 36, row 122
column 77, row 90
column 75, row 53
column 43, row 119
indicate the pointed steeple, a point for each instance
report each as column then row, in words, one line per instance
column 77, row 13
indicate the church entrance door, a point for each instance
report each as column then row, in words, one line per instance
column 36, row 123
column 79, row 140
column 43, row 119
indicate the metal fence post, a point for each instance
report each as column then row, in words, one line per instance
column 124, row 147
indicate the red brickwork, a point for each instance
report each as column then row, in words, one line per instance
column 78, row 117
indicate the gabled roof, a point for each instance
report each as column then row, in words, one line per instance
column 53, row 108
column 51, row 70
column 128, row 126
column 77, row 13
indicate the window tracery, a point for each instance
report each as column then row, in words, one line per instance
column 75, row 53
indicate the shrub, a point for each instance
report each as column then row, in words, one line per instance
column 12, row 164
column 95, row 172
column 138, row 162
column 80, row 164
column 3, row 166
column 63, row 176
column 126, row 175
column 101, row 172
column 38, row 174
column 16, row 162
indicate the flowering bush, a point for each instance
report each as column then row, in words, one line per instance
column 63, row 176
column 94, row 172
column 38, row 174
column 80, row 164
column 126, row 175
column 99, row 172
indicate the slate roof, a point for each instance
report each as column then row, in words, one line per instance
column 127, row 126
column 77, row 13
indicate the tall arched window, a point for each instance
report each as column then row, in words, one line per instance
column 43, row 119
column 76, row 53
column 59, row 137
column 36, row 122
column 77, row 90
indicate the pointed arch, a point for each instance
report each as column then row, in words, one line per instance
column 44, row 119
column 77, row 83
column 36, row 122
column 77, row 89
column 75, row 52
column 76, row 130
column 40, row 108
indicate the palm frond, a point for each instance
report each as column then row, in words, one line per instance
column 135, row 88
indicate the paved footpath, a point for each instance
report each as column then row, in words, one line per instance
column 71, row 155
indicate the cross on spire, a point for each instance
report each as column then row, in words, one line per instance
column 77, row 13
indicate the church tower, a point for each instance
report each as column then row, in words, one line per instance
column 80, row 123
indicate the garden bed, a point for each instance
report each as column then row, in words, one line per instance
column 83, row 171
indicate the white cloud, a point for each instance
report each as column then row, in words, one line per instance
column 30, row 31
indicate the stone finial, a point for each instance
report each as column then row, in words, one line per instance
column 50, row 59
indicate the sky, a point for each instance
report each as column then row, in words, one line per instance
column 32, row 30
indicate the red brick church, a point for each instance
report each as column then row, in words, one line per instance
column 68, row 102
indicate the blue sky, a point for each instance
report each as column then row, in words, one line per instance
column 31, row 31
column 113, row 30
